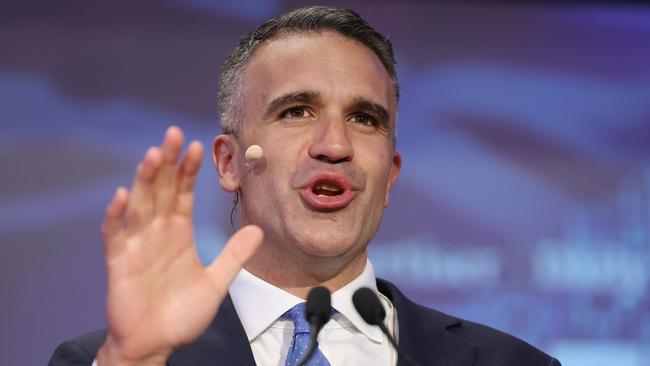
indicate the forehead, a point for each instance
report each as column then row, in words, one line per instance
column 335, row 66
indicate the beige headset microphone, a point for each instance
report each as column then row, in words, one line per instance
column 253, row 154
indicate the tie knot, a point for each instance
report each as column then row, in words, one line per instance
column 298, row 315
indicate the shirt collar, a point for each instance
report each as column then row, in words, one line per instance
column 342, row 301
column 258, row 303
column 256, row 316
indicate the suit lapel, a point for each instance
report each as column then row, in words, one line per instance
column 223, row 343
column 423, row 332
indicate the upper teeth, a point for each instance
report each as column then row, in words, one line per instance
column 328, row 187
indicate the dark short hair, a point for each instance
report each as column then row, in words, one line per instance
column 304, row 20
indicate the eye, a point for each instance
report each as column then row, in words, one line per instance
column 295, row 112
column 364, row 119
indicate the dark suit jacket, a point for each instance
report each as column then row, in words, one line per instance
column 430, row 337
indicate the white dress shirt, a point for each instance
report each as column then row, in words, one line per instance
column 345, row 340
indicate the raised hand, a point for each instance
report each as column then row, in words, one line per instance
column 160, row 296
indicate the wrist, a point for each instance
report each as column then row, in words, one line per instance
column 111, row 355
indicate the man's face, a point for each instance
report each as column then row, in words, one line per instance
column 323, row 109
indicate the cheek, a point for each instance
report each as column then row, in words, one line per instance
column 377, row 182
column 384, row 184
column 280, row 165
column 380, row 164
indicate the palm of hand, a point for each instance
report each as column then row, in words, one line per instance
column 160, row 296
column 154, row 286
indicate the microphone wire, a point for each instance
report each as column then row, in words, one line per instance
column 236, row 198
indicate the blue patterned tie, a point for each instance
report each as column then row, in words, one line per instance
column 301, row 338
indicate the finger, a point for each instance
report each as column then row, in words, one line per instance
column 165, row 183
column 237, row 251
column 141, row 200
column 187, row 178
column 113, row 224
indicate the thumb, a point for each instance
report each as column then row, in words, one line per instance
column 237, row 251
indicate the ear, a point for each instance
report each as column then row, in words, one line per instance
column 395, row 167
column 225, row 153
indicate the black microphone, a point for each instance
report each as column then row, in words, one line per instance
column 369, row 307
column 317, row 312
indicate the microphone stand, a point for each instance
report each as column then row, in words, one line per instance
column 318, row 313
column 369, row 307
column 313, row 344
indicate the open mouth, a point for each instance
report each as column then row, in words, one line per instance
column 328, row 192
column 326, row 189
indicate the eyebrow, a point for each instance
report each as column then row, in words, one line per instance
column 309, row 96
column 283, row 101
column 365, row 105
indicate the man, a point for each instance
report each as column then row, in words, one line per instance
column 317, row 90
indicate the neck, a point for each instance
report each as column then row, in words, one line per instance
column 299, row 274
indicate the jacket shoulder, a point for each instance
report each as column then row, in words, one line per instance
column 79, row 351
column 456, row 338
column 495, row 347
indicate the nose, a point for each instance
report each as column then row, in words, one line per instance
column 331, row 143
